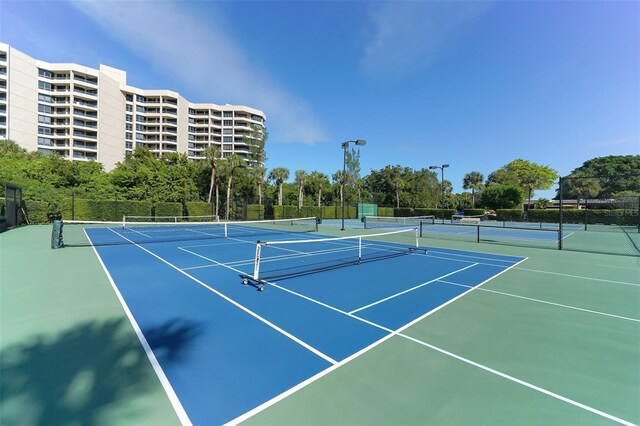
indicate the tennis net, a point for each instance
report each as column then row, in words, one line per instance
column 277, row 260
column 83, row 233
column 374, row 222
column 206, row 218
column 468, row 219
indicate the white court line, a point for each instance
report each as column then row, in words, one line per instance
column 393, row 296
column 460, row 260
column 579, row 276
column 476, row 257
column 520, row 382
column 546, row 302
column 236, row 304
column 171, row 394
column 133, row 230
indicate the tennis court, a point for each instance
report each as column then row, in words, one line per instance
column 351, row 330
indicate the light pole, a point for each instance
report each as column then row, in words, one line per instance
column 444, row 166
column 345, row 145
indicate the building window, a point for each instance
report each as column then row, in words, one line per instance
column 139, row 127
column 129, row 117
column 45, row 141
column 44, row 85
column 139, row 108
column 139, row 119
column 45, row 108
column 139, row 98
column 192, row 111
column 228, row 122
column 128, row 136
column 227, row 131
column 227, row 139
column 44, row 119
column 139, row 136
column 227, row 147
column 45, row 98
column 129, row 126
column 128, row 145
column 44, row 73
column 129, row 108
column 228, row 113
column 44, row 130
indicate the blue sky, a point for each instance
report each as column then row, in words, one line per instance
column 472, row 84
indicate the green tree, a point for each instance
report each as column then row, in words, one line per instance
column 212, row 153
column 230, row 165
column 580, row 187
column 616, row 173
column 339, row 178
column 474, row 182
column 501, row 197
column 352, row 168
column 318, row 182
column 300, row 178
column 529, row 176
column 279, row 175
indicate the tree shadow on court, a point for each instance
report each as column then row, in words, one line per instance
column 78, row 375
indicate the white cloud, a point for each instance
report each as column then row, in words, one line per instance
column 203, row 56
column 619, row 142
column 406, row 36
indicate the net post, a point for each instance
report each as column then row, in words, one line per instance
column 421, row 232
column 359, row 249
column 478, row 226
column 226, row 233
column 124, row 221
column 365, row 222
column 417, row 236
column 256, row 266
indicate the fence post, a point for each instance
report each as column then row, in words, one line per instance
column 73, row 205
column 561, row 195
column 478, row 226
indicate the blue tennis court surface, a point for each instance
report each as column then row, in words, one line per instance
column 232, row 348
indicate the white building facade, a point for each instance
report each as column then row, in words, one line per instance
column 87, row 114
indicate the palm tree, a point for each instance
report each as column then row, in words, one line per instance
column 231, row 164
column 212, row 152
column 301, row 175
column 473, row 181
column 279, row 175
column 397, row 182
column 258, row 172
column 531, row 181
column 447, row 188
column 317, row 181
column 339, row 177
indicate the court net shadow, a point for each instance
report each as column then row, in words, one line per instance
column 75, row 377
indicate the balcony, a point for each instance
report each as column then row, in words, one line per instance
column 90, row 115
column 93, row 81
column 87, row 104
column 92, row 146
column 80, row 123
column 82, row 92
column 81, row 134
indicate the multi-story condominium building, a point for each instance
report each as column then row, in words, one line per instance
column 83, row 113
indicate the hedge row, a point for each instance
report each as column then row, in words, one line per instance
column 109, row 210
column 324, row 212
column 600, row 216
column 385, row 211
